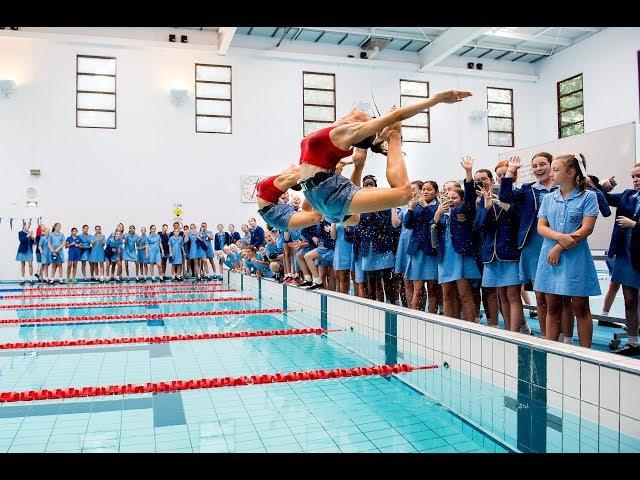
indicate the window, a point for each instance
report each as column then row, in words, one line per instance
column 95, row 92
column 213, row 98
column 500, row 118
column 570, row 107
column 416, row 128
column 319, row 101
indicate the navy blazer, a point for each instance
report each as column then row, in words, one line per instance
column 603, row 206
column 461, row 224
column 352, row 235
column 527, row 199
column 626, row 207
column 216, row 240
column 257, row 237
column 500, row 229
column 26, row 242
column 419, row 221
column 235, row 236
column 376, row 232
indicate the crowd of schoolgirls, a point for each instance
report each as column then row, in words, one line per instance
column 483, row 242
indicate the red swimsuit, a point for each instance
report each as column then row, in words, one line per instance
column 317, row 149
column 267, row 191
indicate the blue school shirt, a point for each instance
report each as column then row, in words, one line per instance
column 73, row 245
column 175, row 242
column 565, row 215
column 85, row 240
column 272, row 250
column 130, row 242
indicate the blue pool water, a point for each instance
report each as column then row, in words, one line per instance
column 364, row 414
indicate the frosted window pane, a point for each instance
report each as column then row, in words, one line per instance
column 414, row 88
column 310, row 127
column 571, row 116
column 318, row 97
column 98, row 101
column 215, row 74
column 498, row 95
column 319, row 113
column 500, row 124
column 571, row 85
column 409, row 101
column 499, row 110
column 96, row 119
column 571, row 101
column 213, row 90
column 569, row 130
column 96, row 84
column 312, row 80
column 97, row 65
column 415, row 134
column 213, row 107
column 500, row 139
column 419, row 120
column 213, row 124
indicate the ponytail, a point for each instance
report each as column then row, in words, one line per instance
column 577, row 162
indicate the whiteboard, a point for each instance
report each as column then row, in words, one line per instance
column 610, row 151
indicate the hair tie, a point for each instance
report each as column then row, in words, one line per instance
column 580, row 164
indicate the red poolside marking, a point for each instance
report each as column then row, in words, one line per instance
column 123, row 303
column 163, row 338
column 130, row 316
column 178, row 385
column 91, row 286
column 120, row 293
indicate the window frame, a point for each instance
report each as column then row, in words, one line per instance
column 304, row 72
column 512, row 117
column 115, row 91
column 560, row 112
column 196, row 98
column 417, row 97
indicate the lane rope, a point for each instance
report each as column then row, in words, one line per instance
column 123, row 303
column 164, row 338
column 217, row 382
column 49, row 288
column 122, row 293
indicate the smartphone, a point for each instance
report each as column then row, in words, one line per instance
column 479, row 185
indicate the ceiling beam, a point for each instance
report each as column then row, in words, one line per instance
column 510, row 48
column 377, row 32
column 542, row 32
column 447, row 43
column 586, row 29
column 525, row 37
column 225, row 35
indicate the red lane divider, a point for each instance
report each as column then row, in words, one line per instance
column 178, row 385
column 119, row 293
column 130, row 316
column 123, row 303
column 164, row 338
column 48, row 288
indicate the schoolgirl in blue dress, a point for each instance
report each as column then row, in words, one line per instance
column 406, row 288
column 130, row 252
column 456, row 249
column 342, row 258
column 498, row 222
column 85, row 250
column 195, row 252
column 114, row 245
column 528, row 199
column 566, row 218
column 164, row 239
column 25, row 251
column 114, row 266
column 96, row 257
column 45, row 254
column 176, row 251
column 73, row 244
column 142, row 247
column 305, row 245
column 292, row 240
column 207, row 236
column 323, row 255
column 625, row 249
column 56, row 247
column 274, row 253
column 422, row 257
column 154, row 253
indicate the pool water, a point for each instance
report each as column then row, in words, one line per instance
column 363, row 414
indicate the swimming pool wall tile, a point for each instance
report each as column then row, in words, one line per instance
column 610, row 389
column 629, row 395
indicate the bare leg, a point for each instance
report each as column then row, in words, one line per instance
column 309, row 258
column 490, row 299
column 304, row 219
column 525, row 296
column 417, row 300
column 466, row 298
column 408, row 292
column 554, row 315
column 434, row 292
column 541, row 307
column 610, row 297
column 631, row 310
column 515, row 307
column 568, row 318
column 303, row 264
column 585, row 321
column 504, row 309
column 448, row 300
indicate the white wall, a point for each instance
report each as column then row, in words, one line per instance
column 135, row 174
column 609, row 65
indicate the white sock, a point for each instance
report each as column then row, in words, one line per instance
column 307, row 278
column 633, row 341
column 568, row 340
column 317, row 280
column 605, row 313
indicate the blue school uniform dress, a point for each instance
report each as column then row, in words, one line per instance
column 326, row 246
column 528, row 199
column 45, row 256
column 401, row 253
column 194, row 250
column 422, row 260
column 57, row 239
column 141, row 241
column 176, row 242
column 116, row 249
column 575, row 275
column 129, row 252
column 377, row 243
column 97, row 250
column 85, row 246
column 206, row 238
column 153, row 240
column 452, row 265
column 74, row 249
column 499, row 251
column 272, row 251
column 343, row 250
column 266, row 271
column 624, row 249
column 25, row 248
column 306, row 235
column 353, row 235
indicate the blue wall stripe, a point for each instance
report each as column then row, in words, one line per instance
column 284, row 297
column 260, row 289
column 323, row 311
column 390, row 338
column 532, row 400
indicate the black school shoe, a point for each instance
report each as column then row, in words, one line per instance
column 306, row 283
column 315, row 286
column 628, row 350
